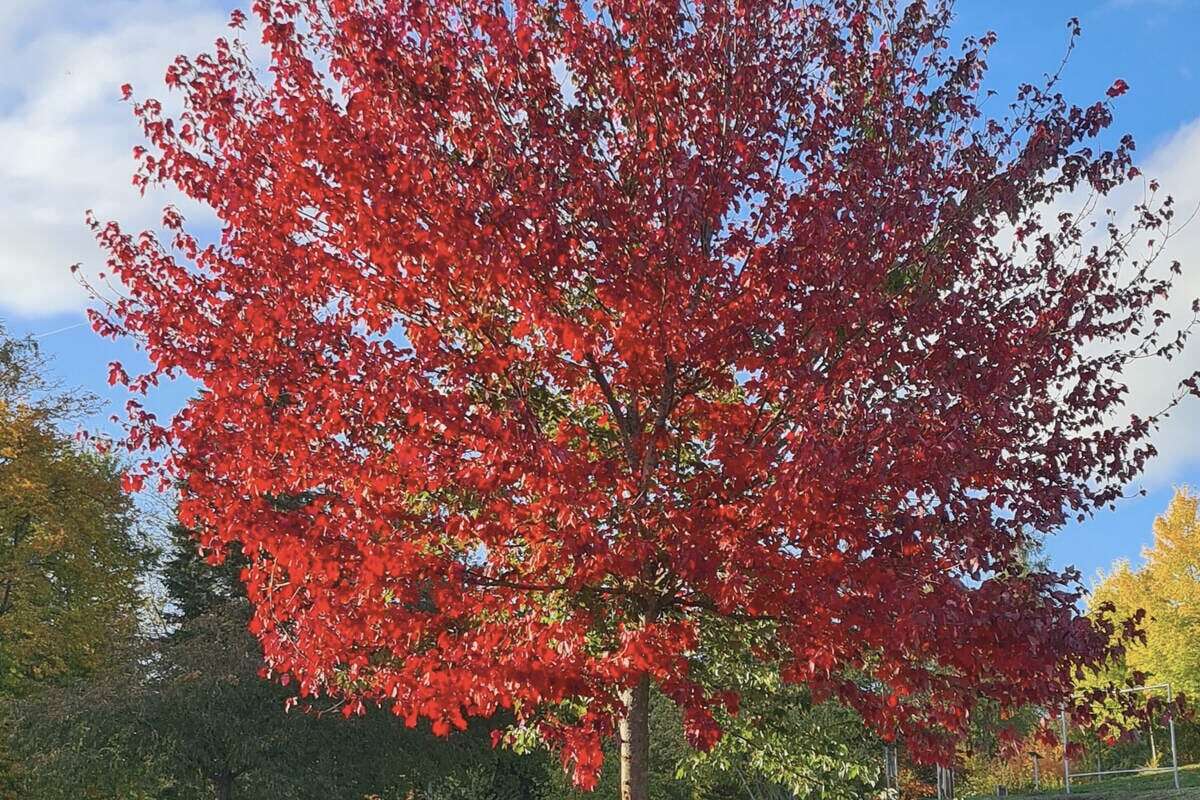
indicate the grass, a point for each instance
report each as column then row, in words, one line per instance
column 1146, row 786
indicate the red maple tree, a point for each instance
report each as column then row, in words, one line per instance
column 543, row 339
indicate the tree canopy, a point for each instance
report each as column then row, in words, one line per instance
column 70, row 558
column 185, row 712
column 1164, row 591
column 542, row 338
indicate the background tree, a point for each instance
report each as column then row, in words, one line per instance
column 1162, row 594
column 780, row 747
column 1166, row 587
column 194, row 586
column 186, row 714
column 70, row 555
column 778, row 742
column 211, row 709
column 541, row 337
column 88, row 738
column 70, row 558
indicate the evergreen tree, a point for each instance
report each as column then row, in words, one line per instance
column 195, row 586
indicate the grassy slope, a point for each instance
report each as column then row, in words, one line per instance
column 1155, row 786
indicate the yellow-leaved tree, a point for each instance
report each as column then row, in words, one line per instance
column 70, row 559
column 1167, row 586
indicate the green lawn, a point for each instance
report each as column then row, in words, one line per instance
column 1153, row 786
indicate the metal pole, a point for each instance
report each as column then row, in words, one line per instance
column 945, row 791
column 895, row 752
column 891, row 768
column 1171, row 727
column 1066, row 759
column 945, row 783
column 1036, row 781
column 887, row 769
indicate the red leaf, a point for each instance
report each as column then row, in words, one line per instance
column 506, row 395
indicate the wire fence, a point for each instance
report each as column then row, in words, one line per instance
column 1119, row 765
column 1145, row 749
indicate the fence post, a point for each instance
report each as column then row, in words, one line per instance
column 887, row 768
column 945, row 783
column 1171, row 727
column 1066, row 757
column 891, row 780
column 894, row 753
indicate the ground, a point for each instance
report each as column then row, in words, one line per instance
column 1154, row 786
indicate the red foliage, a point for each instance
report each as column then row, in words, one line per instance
column 539, row 336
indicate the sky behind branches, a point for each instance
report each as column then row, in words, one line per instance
column 65, row 142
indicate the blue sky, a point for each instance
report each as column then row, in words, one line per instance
column 66, row 140
column 1152, row 45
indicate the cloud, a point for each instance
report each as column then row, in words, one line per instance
column 67, row 137
column 1176, row 165
column 1153, row 383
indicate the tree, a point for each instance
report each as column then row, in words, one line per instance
column 1166, row 590
column 190, row 717
column 776, row 742
column 540, row 338
column 187, row 715
column 194, row 587
column 220, row 723
column 779, row 744
column 1161, row 600
column 70, row 557
column 209, row 709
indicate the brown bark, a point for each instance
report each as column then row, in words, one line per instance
column 635, row 742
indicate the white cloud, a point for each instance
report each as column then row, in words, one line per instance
column 1176, row 165
column 65, row 137
column 1153, row 383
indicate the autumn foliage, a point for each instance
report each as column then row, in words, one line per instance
column 541, row 340
column 1165, row 588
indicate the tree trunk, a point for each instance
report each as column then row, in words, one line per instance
column 223, row 785
column 635, row 742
